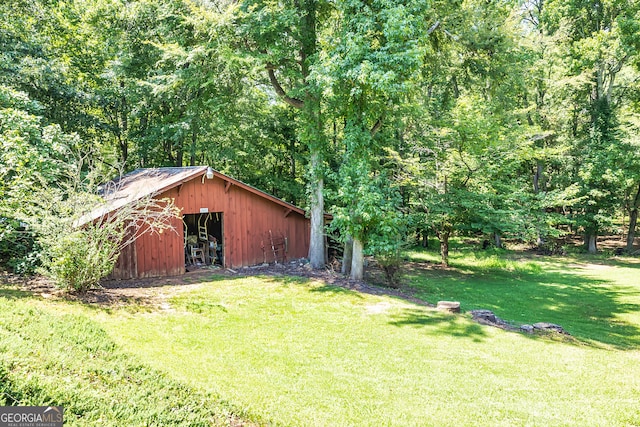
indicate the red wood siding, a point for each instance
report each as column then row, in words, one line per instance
column 126, row 267
column 247, row 219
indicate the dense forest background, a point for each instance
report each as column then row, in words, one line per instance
column 515, row 119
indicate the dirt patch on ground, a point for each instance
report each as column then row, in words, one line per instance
column 155, row 292
column 152, row 292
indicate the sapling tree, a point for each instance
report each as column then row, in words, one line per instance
column 465, row 174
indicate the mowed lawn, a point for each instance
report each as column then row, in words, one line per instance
column 287, row 351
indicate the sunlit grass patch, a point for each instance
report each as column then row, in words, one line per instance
column 299, row 352
column 596, row 300
column 51, row 353
column 492, row 262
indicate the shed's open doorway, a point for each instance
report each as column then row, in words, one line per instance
column 203, row 239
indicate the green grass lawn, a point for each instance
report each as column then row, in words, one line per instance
column 52, row 354
column 595, row 299
column 286, row 351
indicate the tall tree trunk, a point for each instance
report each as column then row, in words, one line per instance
column 425, row 239
column 347, row 257
column 123, row 144
column 631, row 235
column 591, row 239
column 537, row 177
column 123, row 125
column 357, row 260
column 179, row 157
column 633, row 220
column 316, row 244
column 444, row 247
column 313, row 132
column 498, row 240
column 292, row 159
column 194, row 143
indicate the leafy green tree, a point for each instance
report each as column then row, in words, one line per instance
column 597, row 41
column 47, row 54
column 630, row 165
column 45, row 191
column 282, row 39
column 32, row 155
column 469, row 139
column 468, row 176
column 369, row 66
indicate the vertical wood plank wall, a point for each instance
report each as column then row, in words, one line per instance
column 247, row 220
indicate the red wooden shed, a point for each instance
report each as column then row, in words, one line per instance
column 224, row 221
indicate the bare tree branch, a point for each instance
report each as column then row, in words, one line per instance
column 433, row 27
column 376, row 126
column 297, row 103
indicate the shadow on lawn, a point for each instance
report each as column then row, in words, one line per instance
column 626, row 262
column 13, row 294
column 440, row 323
column 588, row 308
column 337, row 290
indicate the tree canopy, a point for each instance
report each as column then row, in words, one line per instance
column 512, row 119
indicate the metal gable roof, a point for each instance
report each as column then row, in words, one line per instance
column 153, row 181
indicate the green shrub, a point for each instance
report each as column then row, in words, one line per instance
column 78, row 261
column 78, row 248
column 390, row 264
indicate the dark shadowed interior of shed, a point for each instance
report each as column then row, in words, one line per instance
column 203, row 238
